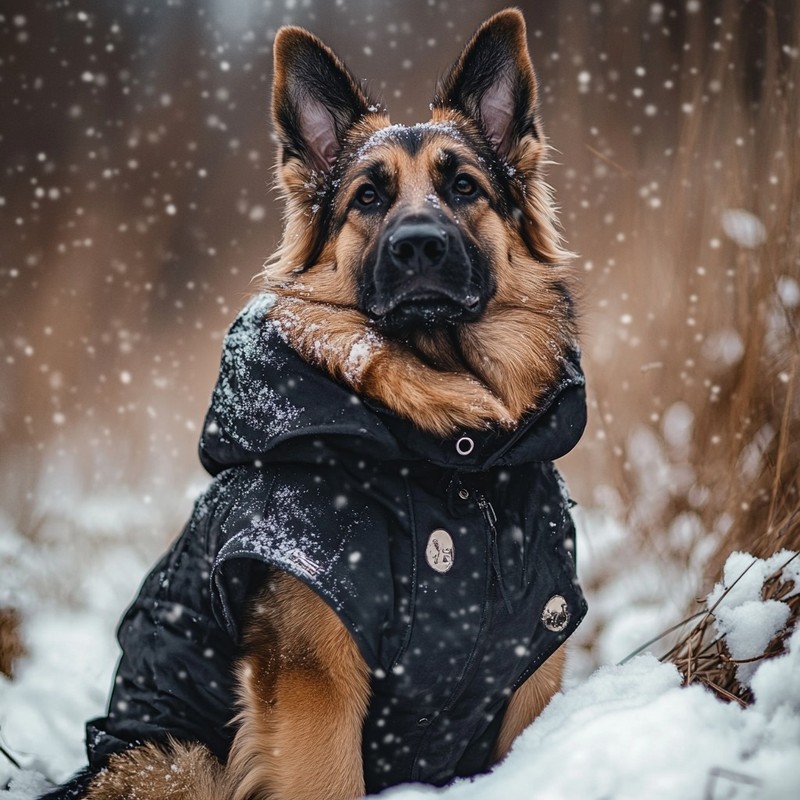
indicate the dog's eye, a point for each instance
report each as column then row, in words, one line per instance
column 366, row 195
column 464, row 185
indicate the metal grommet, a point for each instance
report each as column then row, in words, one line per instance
column 464, row 446
column 422, row 721
column 463, row 493
column 555, row 616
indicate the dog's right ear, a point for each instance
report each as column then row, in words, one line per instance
column 493, row 83
column 315, row 100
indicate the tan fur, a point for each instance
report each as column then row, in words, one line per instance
column 177, row 772
column 528, row 702
column 304, row 690
column 338, row 340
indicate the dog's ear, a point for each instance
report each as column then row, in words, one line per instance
column 315, row 99
column 493, row 82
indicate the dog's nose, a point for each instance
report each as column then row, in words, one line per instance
column 419, row 246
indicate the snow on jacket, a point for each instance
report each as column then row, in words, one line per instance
column 449, row 560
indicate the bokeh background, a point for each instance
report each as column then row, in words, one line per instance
column 136, row 208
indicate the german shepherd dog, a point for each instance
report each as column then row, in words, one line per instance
column 422, row 269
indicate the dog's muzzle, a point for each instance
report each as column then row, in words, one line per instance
column 423, row 276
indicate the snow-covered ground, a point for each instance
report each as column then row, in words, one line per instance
column 625, row 731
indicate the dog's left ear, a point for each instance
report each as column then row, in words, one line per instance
column 493, row 82
column 315, row 99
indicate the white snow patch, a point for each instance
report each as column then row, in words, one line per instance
column 360, row 355
column 776, row 688
column 742, row 616
column 631, row 732
column 25, row 785
column 748, row 629
column 744, row 228
column 788, row 291
column 724, row 346
column 63, row 683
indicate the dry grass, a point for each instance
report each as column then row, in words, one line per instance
column 738, row 473
column 10, row 643
column 702, row 657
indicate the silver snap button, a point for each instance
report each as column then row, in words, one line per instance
column 440, row 552
column 464, row 446
column 422, row 721
column 463, row 494
column 555, row 616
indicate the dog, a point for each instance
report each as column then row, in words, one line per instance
column 378, row 583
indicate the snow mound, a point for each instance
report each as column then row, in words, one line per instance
column 632, row 731
column 742, row 616
column 25, row 785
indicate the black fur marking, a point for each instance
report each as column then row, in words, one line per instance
column 419, row 289
column 411, row 139
column 325, row 225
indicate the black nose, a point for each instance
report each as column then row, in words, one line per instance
column 418, row 246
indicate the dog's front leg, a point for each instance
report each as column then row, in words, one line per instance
column 303, row 689
column 529, row 701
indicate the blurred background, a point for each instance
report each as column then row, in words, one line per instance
column 136, row 207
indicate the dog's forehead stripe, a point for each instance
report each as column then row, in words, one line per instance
column 410, row 138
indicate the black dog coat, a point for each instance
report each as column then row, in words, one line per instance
column 451, row 562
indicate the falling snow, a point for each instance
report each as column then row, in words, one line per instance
column 135, row 210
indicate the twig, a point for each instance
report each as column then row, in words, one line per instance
column 782, row 447
column 625, row 172
column 660, row 636
column 716, row 773
column 724, row 692
column 9, row 757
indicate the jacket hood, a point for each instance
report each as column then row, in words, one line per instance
column 270, row 405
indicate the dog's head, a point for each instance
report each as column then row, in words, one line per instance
column 420, row 228
column 438, row 237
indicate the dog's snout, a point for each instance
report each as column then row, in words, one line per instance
column 418, row 246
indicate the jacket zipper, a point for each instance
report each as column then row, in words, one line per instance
column 491, row 518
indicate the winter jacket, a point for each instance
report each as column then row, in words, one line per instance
column 450, row 561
